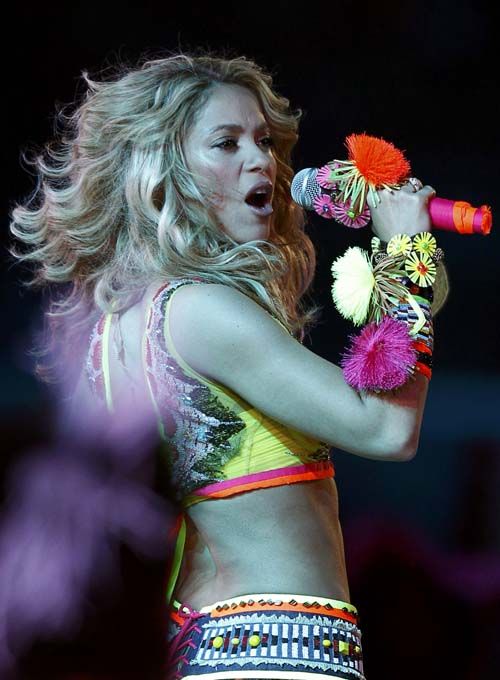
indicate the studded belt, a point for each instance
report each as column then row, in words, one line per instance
column 266, row 636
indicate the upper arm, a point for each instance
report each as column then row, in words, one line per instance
column 227, row 337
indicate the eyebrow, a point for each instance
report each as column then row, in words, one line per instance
column 233, row 127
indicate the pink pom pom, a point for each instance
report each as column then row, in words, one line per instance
column 323, row 205
column 380, row 357
column 343, row 214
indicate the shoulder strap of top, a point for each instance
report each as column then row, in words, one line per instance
column 97, row 364
column 155, row 313
column 154, row 351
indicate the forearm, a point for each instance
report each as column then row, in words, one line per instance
column 393, row 420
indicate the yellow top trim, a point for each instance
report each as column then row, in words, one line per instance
column 105, row 361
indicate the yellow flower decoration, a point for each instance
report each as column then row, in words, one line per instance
column 400, row 244
column 421, row 269
column 424, row 242
column 376, row 244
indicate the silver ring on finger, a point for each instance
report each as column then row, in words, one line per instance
column 415, row 183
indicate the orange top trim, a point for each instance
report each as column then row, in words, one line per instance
column 267, row 483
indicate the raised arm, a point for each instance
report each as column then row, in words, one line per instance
column 227, row 337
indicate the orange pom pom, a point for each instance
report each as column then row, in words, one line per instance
column 378, row 161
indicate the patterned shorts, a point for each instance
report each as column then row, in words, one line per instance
column 286, row 637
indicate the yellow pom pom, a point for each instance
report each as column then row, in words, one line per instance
column 353, row 284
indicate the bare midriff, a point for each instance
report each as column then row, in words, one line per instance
column 285, row 539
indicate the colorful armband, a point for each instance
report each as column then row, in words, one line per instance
column 391, row 292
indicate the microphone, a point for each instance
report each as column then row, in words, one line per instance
column 457, row 216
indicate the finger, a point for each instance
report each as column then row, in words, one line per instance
column 373, row 202
column 427, row 191
column 408, row 188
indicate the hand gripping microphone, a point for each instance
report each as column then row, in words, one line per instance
column 339, row 189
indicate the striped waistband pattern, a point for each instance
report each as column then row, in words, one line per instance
column 289, row 637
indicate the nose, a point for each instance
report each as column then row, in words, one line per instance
column 259, row 159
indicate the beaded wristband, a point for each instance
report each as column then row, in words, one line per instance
column 423, row 340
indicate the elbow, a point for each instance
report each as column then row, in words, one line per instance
column 404, row 454
column 403, row 449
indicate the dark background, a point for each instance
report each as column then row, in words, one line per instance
column 422, row 538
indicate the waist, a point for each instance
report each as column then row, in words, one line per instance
column 283, row 539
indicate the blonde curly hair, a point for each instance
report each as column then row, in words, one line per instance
column 116, row 205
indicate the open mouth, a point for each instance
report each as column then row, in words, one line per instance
column 259, row 200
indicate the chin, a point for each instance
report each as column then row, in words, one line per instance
column 250, row 234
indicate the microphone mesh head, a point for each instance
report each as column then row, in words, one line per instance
column 305, row 188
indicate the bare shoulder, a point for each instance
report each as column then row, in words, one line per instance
column 216, row 303
column 214, row 326
column 219, row 297
column 229, row 338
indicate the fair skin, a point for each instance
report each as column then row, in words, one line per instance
column 229, row 149
column 285, row 539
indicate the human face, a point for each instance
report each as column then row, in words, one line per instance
column 229, row 148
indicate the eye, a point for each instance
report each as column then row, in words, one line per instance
column 227, row 144
column 267, row 141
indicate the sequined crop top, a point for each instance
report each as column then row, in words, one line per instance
column 217, row 444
